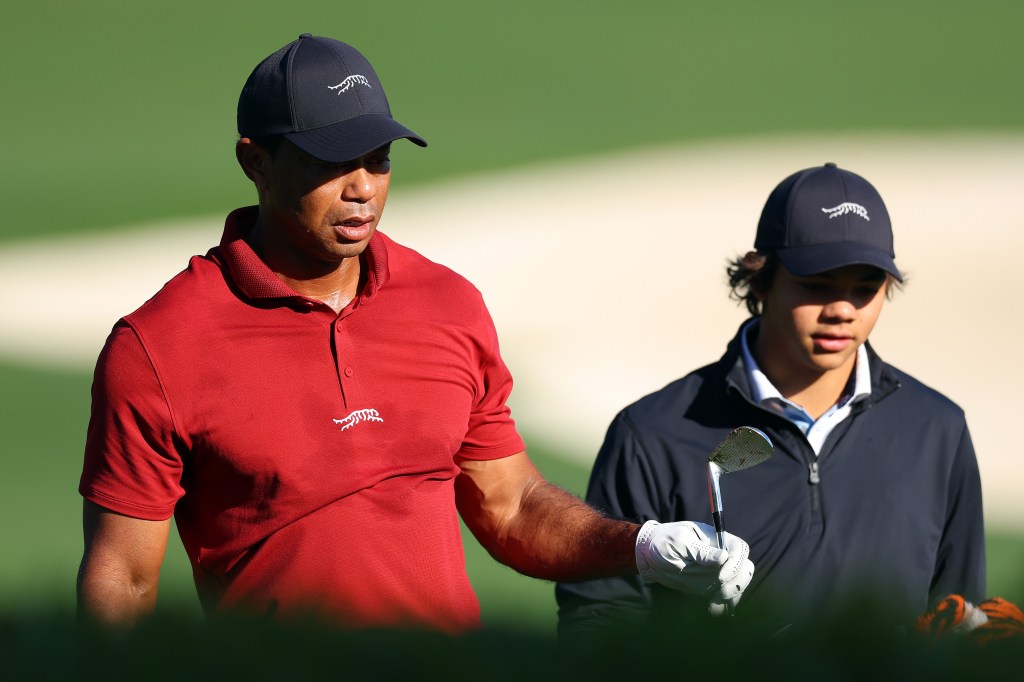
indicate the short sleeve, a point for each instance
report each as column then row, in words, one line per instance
column 491, row 432
column 131, row 465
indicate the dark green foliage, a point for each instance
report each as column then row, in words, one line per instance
column 173, row 648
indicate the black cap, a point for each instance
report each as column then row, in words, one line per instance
column 824, row 218
column 324, row 97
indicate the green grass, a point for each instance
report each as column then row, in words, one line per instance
column 43, row 415
column 123, row 111
column 1005, row 552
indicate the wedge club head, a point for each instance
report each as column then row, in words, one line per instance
column 743, row 448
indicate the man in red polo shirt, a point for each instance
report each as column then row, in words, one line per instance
column 316, row 404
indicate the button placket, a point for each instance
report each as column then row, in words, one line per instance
column 342, row 362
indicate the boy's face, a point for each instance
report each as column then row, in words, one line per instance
column 812, row 326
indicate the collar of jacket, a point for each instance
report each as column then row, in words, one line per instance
column 883, row 379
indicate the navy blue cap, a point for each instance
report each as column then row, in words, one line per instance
column 324, row 97
column 823, row 218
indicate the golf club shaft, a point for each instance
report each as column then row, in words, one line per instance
column 720, row 532
column 719, row 527
column 743, row 448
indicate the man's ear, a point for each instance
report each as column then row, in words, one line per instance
column 255, row 162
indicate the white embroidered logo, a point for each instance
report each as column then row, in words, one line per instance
column 359, row 416
column 847, row 207
column 349, row 82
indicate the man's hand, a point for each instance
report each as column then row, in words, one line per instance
column 681, row 555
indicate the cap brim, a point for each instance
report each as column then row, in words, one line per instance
column 352, row 138
column 814, row 259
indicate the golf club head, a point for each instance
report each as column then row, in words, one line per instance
column 743, row 448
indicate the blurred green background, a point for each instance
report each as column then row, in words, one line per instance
column 116, row 113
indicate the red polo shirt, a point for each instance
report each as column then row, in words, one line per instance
column 307, row 456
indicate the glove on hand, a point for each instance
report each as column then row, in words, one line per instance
column 681, row 555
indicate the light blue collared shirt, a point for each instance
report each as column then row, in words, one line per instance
column 767, row 396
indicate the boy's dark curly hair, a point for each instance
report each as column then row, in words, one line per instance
column 751, row 276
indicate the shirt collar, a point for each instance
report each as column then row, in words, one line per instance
column 256, row 280
column 762, row 389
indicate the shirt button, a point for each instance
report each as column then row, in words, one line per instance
column 338, row 326
column 348, row 371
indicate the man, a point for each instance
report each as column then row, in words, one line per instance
column 315, row 404
column 873, row 487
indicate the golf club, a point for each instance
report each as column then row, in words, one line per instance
column 744, row 447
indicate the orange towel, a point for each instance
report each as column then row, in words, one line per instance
column 992, row 619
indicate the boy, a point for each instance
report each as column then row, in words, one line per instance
column 873, row 487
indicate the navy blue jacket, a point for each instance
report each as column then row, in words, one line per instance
column 890, row 508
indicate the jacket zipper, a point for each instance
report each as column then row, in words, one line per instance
column 814, row 480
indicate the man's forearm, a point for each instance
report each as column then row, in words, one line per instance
column 557, row 536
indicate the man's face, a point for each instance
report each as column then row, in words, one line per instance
column 811, row 326
column 318, row 213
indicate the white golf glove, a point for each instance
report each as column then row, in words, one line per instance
column 682, row 556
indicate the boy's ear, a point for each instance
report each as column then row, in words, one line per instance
column 255, row 162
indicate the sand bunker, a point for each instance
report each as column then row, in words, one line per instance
column 606, row 278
